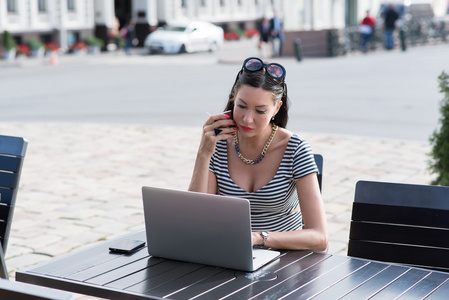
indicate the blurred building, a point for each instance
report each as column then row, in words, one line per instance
column 49, row 20
column 67, row 21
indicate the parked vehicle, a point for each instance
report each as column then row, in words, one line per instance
column 183, row 37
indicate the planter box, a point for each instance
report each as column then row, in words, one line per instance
column 37, row 53
column 9, row 54
column 313, row 43
column 79, row 51
column 93, row 49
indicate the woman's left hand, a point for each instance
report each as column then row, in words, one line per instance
column 256, row 238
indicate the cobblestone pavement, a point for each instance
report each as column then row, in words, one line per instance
column 81, row 183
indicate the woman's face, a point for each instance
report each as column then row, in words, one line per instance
column 253, row 110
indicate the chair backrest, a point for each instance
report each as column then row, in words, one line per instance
column 23, row 291
column 401, row 223
column 12, row 153
column 319, row 164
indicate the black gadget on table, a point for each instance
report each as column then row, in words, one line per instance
column 126, row 246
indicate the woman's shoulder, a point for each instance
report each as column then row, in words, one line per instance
column 294, row 143
column 288, row 137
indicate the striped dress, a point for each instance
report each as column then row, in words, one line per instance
column 272, row 205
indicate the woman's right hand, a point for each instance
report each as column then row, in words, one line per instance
column 223, row 125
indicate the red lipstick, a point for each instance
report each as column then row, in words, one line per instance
column 246, row 128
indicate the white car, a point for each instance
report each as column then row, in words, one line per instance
column 185, row 37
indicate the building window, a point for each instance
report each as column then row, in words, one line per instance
column 11, row 6
column 42, row 5
column 71, row 5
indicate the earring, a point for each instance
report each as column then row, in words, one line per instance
column 272, row 119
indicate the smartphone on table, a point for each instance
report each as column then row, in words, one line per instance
column 126, row 246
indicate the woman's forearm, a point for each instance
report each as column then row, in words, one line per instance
column 200, row 176
column 310, row 239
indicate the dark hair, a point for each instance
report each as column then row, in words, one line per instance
column 259, row 79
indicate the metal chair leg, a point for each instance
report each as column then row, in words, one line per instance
column 3, row 270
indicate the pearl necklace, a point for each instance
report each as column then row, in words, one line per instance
column 264, row 151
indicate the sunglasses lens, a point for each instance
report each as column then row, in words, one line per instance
column 275, row 71
column 253, row 65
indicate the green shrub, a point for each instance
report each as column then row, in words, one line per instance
column 120, row 42
column 8, row 41
column 439, row 163
column 34, row 44
column 94, row 41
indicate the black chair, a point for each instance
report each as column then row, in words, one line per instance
column 319, row 164
column 401, row 223
column 23, row 291
column 12, row 153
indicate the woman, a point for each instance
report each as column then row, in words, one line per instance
column 248, row 153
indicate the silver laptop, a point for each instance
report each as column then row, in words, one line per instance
column 201, row 228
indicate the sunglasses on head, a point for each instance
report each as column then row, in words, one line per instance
column 253, row 64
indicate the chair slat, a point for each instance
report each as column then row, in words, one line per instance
column 3, row 227
column 8, row 180
column 6, row 195
column 5, row 213
column 400, row 215
column 11, row 145
column 9, row 163
column 390, row 233
column 436, row 258
column 401, row 194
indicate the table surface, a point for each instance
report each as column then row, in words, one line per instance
column 295, row 275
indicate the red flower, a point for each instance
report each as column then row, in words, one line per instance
column 23, row 49
column 51, row 46
column 229, row 36
column 79, row 45
column 251, row 33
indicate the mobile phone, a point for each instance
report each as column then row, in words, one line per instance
column 126, row 246
column 229, row 113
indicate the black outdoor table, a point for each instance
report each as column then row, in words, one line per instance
column 295, row 275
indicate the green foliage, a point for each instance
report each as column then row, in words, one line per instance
column 440, row 138
column 94, row 41
column 119, row 42
column 239, row 31
column 8, row 41
column 34, row 44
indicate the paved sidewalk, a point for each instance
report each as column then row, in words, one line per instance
column 81, row 183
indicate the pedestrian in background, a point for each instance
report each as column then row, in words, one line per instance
column 390, row 18
column 264, row 37
column 277, row 35
column 366, row 29
column 128, row 33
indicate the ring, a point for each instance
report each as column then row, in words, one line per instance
column 217, row 131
